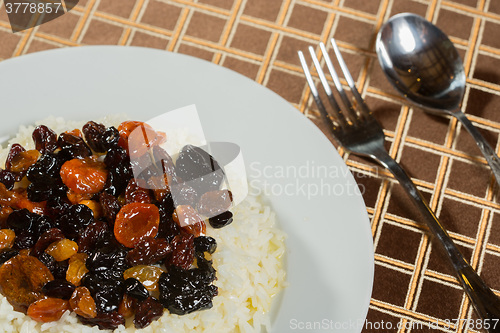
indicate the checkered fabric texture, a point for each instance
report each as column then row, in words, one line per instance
column 260, row 38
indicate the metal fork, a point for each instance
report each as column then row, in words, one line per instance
column 359, row 132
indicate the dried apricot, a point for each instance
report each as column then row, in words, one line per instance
column 21, row 280
column 140, row 141
column 84, row 175
column 82, row 303
column 47, row 309
column 62, row 249
column 136, row 222
column 7, row 237
column 147, row 275
column 76, row 268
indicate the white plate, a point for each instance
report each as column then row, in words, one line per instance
column 329, row 244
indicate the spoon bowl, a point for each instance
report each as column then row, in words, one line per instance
column 422, row 64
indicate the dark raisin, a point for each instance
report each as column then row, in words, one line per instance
column 6, row 255
column 59, row 269
column 45, row 168
column 136, row 289
column 135, row 193
column 221, row 220
column 58, row 289
column 93, row 133
column 108, row 263
column 109, row 298
column 105, row 321
column 147, row 311
column 44, row 223
column 148, row 251
column 182, row 251
column 110, row 206
column 73, row 146
column 8, row 179
column 48, row 261
column 24, row 239
column 205, row 244
column 22, row 220
column 47, row 238
column 115, row 157
column 110, row 138
column 45, row 139
column 92, row 235
column 77, row 217
column 57, row 207
column 39, row 192
column 14, row 150
column 118, row 179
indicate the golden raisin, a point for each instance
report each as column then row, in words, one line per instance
column 127, row 306
column 7, row 237
column 147, row 275
column 84, row 175
column 22, row 161
column 76, row 268
column 82, row 303
column 21, row 280
column 47, row 309
column 136, row 222
column 62, row 249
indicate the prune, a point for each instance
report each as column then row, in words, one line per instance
column 14, row 150
column 148, row 251
column 76, row 218
column 205, row 244
column 76, row 268
column 221, row 220
column 92, row 235
column 46, row 238
column 24, row 239
column 93, row 133
column 110, row 206
column 182, row 251
column 215, row 202
column 136, row 222
column 147, row 311
column 58, row 289
column 199, row 168
column 21, row 280
column 45, row 139
column 6, row 255
column 84, row 175
column 82, row 303
column 147, row 275
column 8, row 179
column 47, row 309
column 105, row 321
column 73, row 146
column 184, row 291
column 136, row 289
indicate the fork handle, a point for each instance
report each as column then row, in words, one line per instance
column 485, row 302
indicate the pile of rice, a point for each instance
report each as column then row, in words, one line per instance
column 248, row 260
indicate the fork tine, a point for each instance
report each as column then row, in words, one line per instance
column 327, row 119
column 364, row 108
column 336, row 108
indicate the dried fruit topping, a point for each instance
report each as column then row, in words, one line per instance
column 45, row 139
column 62, row 249
column 14, row 150
column 47, row 309
column 136, row 222
column 93, row 135
column 94, row 234
column 72, row 146
column 134, row 193
column 105, row 321
column 138, row 137
column 84, row 175
column 6, row 255
column 48, row 237
column 215, row 202
column 147, row 275
column 221, row 220
column 76, row 219
column 147, row 311
column 58, row 289
column 22, row 279
column 134, row 288
column 8, row 179
column 82, row 303
column 205, row 244
column 76, row 268
column 22, row 161
column 7, row 237
column 110, row 206
column 148, row 251
column 127, row 306
column 185, row 215
column 182, row 251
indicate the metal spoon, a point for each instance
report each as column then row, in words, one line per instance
column 424, row 66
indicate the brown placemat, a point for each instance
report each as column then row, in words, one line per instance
column 259, row 38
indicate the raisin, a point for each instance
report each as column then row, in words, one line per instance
column 45, row 139
column 221, row 220
column 190, row 221
column 215, row 202
column 24, row 240
column 94, row 206
column 182, row 251
column 45, row 169
column 116, row 157
column 127, row 306
column 148, row 251
column 76, row 268
column 23, row 161
column 134, row 193
column 92, row 235
column 7, row 237
column 205, row 244
column 107, row 263
column 22, row 220
column 93, row 133
column 134, row 288
column 72, row 146
column 8, row 179
column 21, row 280
column 147, row 275
column 47, row 309
column 105, row 321
column 108, row 299
column 147, row 311
column 76, row 218
column 47, row 238
column 62, row 249
column 82, row 303
column 6, row 255
column 136, row 222
column 110, row 206
column 84, row 175
column 57, row 206
column 110, row 138
column 58, row 289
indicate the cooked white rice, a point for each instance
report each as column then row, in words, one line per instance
column 248, row 260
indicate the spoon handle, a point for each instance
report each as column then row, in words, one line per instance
column 488, row 152
column 485, row 302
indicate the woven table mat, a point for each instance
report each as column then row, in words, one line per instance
column 414, row 289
